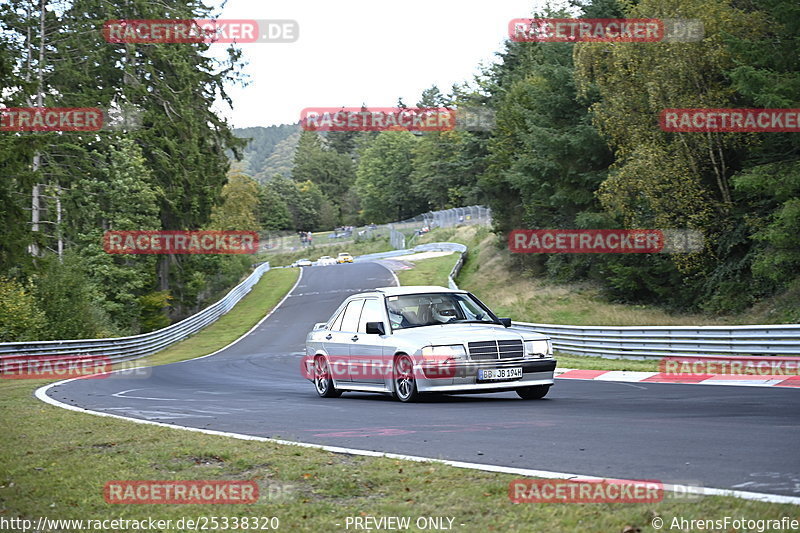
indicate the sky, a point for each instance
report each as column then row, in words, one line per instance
column 354, row 52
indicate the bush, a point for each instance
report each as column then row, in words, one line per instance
column 65, row 294
column 20, row 317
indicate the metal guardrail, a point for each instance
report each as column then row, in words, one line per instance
column 118, row 349
column 645, row 342
column 430, row 247
column 451, row 278
column 630, row 342
column 400, row 233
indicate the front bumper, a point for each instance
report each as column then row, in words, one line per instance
column 463, row 376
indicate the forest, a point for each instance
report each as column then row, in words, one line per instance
column 576, row 144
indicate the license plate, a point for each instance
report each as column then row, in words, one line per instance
column 495, row 374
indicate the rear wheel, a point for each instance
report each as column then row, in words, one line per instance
column 322, row 379
column 405, row 386
column 533, row 393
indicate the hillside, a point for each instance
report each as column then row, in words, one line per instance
column 270, row 150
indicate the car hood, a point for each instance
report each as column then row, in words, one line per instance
column 463, row 333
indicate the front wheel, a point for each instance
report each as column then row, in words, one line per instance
column 533, row 393
column 405, row 386
column 322, row 379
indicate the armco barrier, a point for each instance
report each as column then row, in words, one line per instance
column 630, row 342
column 644, row 342
column 133, row 347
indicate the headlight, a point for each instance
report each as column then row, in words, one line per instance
column 539, row 349
column 442, row 353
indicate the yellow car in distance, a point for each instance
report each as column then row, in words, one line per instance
column 344, row 257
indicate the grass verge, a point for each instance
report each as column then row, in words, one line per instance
column 272, row 286
column 431, row 271
column 589, row 362
column 55, row 463
column 489, row 273
column 366, row 246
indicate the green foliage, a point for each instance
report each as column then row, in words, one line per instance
column 20, row 317
column 272, row 210
column 239, row 208
column 168, row 173
column 263, row 144
column 444, row 173
column 775, row 226
column 120, row 196
column 152, row 310
column 303, row 213
column 281, row 159
column 67, row 297
column 330, row 170
column 383, row 178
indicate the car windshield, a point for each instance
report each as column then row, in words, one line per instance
column 430, row 309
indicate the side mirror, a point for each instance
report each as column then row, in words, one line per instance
column 506, row 322
column 319, row 325
column 375, row 328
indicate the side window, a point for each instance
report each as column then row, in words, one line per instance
column 471, row 310
column 372, row 312
column 337, row 323
column 351, row 314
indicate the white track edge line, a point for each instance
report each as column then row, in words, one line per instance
column 41, row 394
column 394, row 274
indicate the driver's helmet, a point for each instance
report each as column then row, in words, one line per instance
column 443, row 312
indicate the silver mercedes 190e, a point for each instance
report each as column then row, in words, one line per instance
column 412, row 340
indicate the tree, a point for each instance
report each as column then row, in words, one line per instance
column 432, row 97
column 120, row 196
column 330, row 170
column 239, row 208
column 20, row 317
column 303, row 213
column 383, row 178
column 273, row 212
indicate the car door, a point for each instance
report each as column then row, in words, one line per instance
column 367, row 364
column 338, row 339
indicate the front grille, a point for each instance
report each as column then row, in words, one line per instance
column 492, row 350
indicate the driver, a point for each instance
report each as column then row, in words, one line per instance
column 443, row 312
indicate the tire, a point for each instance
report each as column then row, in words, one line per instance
column 405, row 386
column 323, row 383
column 533, row 393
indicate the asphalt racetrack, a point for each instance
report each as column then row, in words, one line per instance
column 730, row 437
